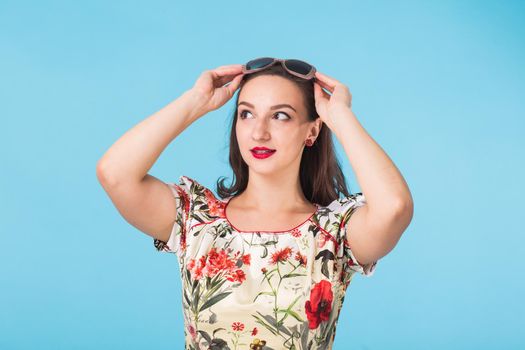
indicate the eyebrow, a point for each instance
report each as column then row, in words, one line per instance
column 282, row 105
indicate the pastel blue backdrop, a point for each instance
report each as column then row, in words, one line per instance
column 438, row 84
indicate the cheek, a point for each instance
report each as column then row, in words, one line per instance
column 242, row 135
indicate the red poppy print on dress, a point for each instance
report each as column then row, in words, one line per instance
column 319, row 306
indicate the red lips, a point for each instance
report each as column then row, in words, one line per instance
column 259, row 155
column 261, row 149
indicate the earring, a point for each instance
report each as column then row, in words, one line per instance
column 309, row 142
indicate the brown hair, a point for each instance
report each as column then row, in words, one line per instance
column 320, row 173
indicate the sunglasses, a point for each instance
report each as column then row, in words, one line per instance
column 298, row 68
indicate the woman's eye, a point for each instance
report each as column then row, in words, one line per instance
column 243, row 116
column 287, row 117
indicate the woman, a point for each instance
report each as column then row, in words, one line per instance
column 266, row 265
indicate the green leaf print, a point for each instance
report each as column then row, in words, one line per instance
column 272, row 321
column 188, row 276
column 266, row 325
column 289, row 311
column 194, row 285
column 264, row 293
column 265, row 252
column 206, row 336
column 324, row 269
column 187, row 298
column 295, row 315
column 289, row 275
column 196, row 296
column 212, row 301
column 214, row 288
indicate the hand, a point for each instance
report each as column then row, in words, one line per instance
column 328, row 105
column 211, row 89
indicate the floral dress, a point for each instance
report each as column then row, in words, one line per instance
column 263, row 289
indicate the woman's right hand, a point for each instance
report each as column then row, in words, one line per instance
column 211, row 89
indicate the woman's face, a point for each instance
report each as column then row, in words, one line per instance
column 271, row 114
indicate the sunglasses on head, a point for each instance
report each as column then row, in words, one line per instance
column 298, row 68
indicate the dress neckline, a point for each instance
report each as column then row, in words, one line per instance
column 227, row 201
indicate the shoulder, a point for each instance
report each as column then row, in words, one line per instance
column 334, row 216
column 201, row 198
column 190, row 186
column 343, row 206
column 346, row 205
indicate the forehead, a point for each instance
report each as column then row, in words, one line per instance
column 265, row 91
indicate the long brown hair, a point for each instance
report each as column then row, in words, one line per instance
column 320, row 173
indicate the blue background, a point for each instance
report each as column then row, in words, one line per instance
column 438, row 84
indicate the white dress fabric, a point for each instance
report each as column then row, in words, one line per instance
column 263, row 289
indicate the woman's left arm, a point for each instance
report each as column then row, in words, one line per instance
column 375, row 228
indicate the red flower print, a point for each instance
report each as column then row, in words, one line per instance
column 237, row 326
column 246, row 259
column 301, row 258
column 323, row 238
column 296, row 232
column 263, row 270
column 197, row 273
column 281, row 255
column 216, row 207
column 236, row 276
column 192, row 331
column 319, row 306
column 219, row 262
column 254, row 331
column 196, row 267
column 184, row 197
column 190, row 264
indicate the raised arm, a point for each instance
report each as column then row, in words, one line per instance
column 143, row 200
column 373, row 229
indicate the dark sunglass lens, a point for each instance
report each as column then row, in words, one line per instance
column 297, row 66
column 259, row 63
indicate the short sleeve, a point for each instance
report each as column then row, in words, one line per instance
column 182, row 194
column 348, row 206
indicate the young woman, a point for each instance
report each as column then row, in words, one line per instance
column 267, row 263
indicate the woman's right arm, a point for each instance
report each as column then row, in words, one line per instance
column 143, row 200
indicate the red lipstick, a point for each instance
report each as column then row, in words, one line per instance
column 262, row 152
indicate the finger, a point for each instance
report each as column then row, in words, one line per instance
column 229, row 72
column 321, row 88
column 325, row 85
column 231, row 87
column 225, row 70
column 226, row 79
column 230, row 66
column 324, row 93
column 329, row 81
column 320, row 94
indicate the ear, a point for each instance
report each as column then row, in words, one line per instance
column 316, row 127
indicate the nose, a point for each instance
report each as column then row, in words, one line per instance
column 260, row 130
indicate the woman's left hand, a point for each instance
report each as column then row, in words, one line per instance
column 328, row 105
